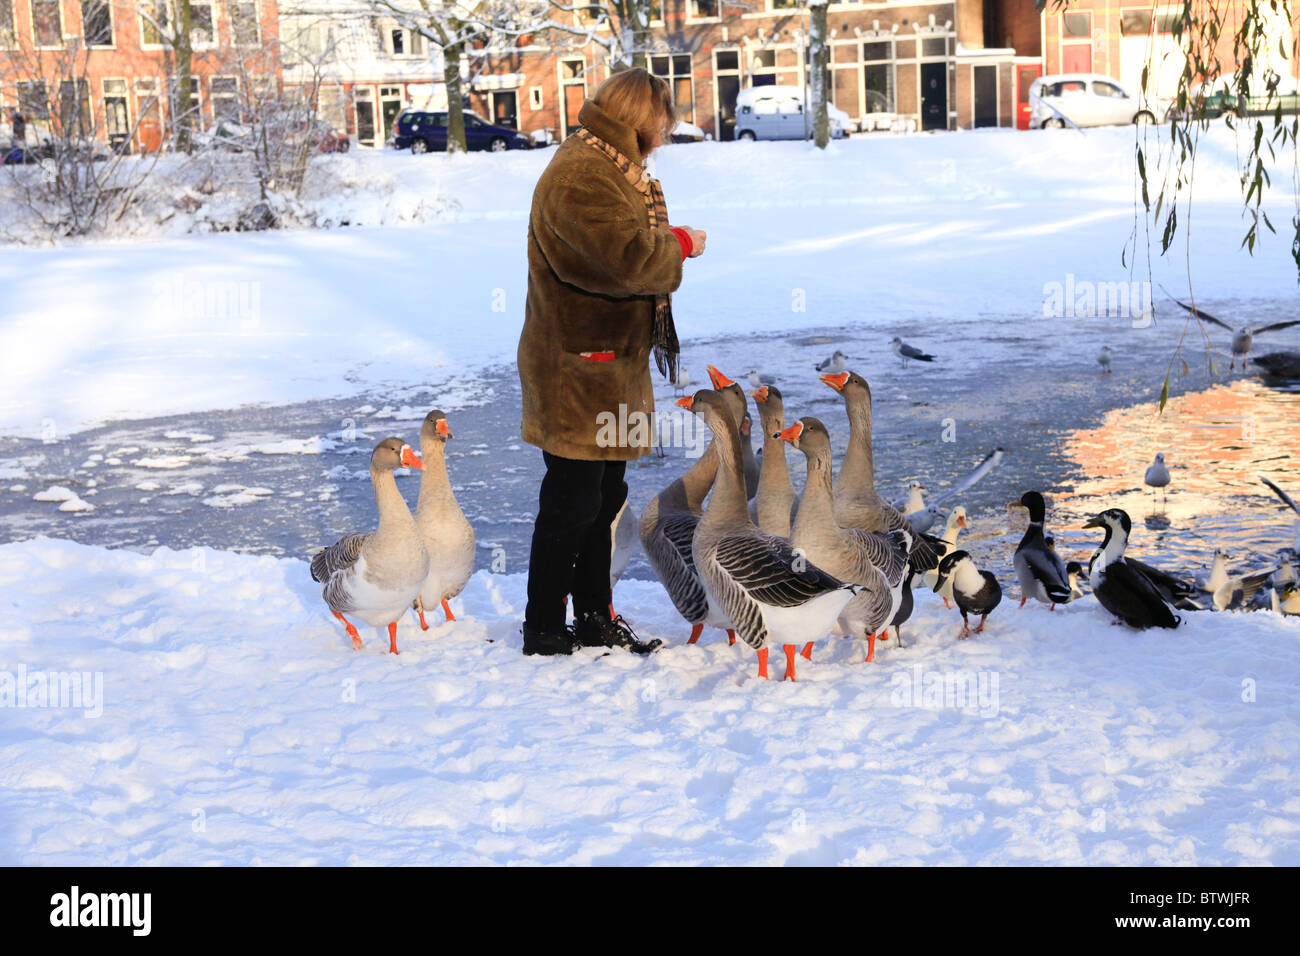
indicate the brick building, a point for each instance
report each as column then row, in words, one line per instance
column 103, row 64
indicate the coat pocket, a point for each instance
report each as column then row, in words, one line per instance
column 604, row 403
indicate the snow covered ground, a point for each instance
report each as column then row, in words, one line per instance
column 222, row 716
column 236, row 725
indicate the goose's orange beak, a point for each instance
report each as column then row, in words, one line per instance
column 792, row 433
column 686, row 402
column 961, row 521
column 410, row 459
column 443, row 428
column 836, row 381
column 719, row 380
column 759, row 394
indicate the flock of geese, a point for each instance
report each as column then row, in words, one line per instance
column 736, row 549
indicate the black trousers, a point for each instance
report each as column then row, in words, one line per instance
column 571, row 538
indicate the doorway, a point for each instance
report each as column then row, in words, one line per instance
column 390, row 105
column 505, row 108
column 365, row 116
column 1025, row 76
column 986, row 96
column 934, row 95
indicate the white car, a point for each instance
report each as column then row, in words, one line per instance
column 1083, row 99
column 777, row 112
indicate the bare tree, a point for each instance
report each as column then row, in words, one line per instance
column 819, row 67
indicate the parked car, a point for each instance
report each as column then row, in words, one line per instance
column 328, row 139
column 1084, row 99
column 777, row 112
column 423, row 131
column 685, row 132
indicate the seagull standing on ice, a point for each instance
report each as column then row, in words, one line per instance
column 1103, row 358
column 833, row 364
column 1157, row 475
column 682, row 381
column 1242, row 338
column 758, row 381
column 906, row 352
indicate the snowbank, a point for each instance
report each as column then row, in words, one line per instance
column 223, row 718
column 962, row 228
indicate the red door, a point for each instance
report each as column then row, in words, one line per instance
column 1025, row 75
column 1076, row 57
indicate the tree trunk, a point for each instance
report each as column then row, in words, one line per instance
column 184, row 78
column 455, row 107
column 817, row 55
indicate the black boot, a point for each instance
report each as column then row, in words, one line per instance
column 548, row 642
column 596, row 629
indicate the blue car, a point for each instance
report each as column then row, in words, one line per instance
column 422, row 131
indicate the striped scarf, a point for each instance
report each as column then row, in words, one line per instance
column 663, row 336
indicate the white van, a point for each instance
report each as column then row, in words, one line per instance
column 777, row 112
column 1084, row 99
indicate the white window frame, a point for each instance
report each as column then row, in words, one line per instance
column 693, row 16
column 536, row 98
column 9, row 32
column 124, row 95
column 31, row 7
column 257, row 20
column 212, row 8
column 140, row 19
column 112, row 27
column 213, row 97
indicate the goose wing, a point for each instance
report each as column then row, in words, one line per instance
column 669, row 549
column 769, row 569
column 339, row 556
column 886, row 553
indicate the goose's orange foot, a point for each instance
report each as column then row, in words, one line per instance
column 762, row 663
column 871, row 648
column 352, row 631
column 790, row 650
column 981, row 627
column 1023, row 600
column 424, row 626
column 392, row 637
column 695, row 633
column 807, row 651
column 946, row 605
column 731, row 636
column 446, row 609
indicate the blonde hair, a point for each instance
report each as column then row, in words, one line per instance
column 641, row 100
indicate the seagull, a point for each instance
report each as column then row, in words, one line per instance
column 833, row 364
column 905, row 352
column 758, row 381
column 682, row 381
column 1233, row 592
column 1242, row 337
column 1103, row 358
column 914, row 500
column 1157, row 475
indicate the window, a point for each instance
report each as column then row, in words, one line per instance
column 535, row 97
column 74, row 107
column 201, row 31
column 1135, row 23
column 404, row 42
column 116, row 117
column 243, row 24
column 47, row 26
column 7, row 23
column 224, row 94
column 573, row 69
column 96, row 23
column 676, row 69
column 934, row 46
column 728, row 59
column 784, row 4
column 1076, row 26
column 702, row 9
column 33, row 100
column 1108, row 89
column 878, row 76
column 154, row 21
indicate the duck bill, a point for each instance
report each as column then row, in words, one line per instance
column 1094, row 522
column 410, row 459
column 443, row 428
column 836, row 381
column 961, row 521
column 719, row 380
column 791, row 434
column 759, row 394
column 686, row 402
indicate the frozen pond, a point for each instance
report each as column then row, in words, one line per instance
column 280, row 480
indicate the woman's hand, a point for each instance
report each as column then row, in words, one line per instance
column 697, row 240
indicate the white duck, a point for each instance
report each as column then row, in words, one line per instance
column 375, row 576
column 771, row 593
column 447, row 534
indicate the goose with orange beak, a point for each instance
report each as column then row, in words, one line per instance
column 735, row 396
column 667, row 531
column 773, row 506
column 772, row 593
column 375, row 576
column 857, row 503
column 877, row 563
column 447, row 534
